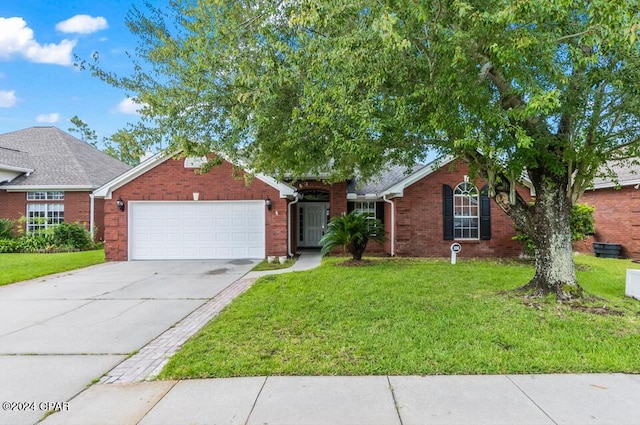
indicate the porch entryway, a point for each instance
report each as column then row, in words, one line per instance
column 312, row 223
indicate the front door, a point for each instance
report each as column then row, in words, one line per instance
column 313, row 222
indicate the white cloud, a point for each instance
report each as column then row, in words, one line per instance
column 16, row 39
column 83, row 24
column 48, row 118
column 129, row 107
column 7, row 99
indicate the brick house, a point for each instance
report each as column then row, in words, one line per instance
column 164, row 209
column 48, row 176
column 617, row 211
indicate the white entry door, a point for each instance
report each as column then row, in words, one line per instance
column 313, row 222
column 179, row 230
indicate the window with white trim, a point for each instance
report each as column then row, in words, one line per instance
column 41, row 216
column 45, row 196
column 367, row 208
column 466, row 211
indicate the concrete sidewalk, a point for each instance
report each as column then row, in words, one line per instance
column 402, row 400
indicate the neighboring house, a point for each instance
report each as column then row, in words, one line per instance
column 48, row 176
column 163, row 209
column 617, row 211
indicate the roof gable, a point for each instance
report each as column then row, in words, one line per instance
column 106, row 190
column 397, row 189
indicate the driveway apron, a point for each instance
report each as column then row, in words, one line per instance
column 60, row 333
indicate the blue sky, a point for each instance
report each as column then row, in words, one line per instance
column 39, row 86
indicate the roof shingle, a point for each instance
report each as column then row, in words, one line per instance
column 57, row 158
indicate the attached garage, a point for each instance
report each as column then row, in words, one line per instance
column 164, row 209
column 195, row 230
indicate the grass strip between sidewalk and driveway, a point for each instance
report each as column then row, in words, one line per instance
column 414, row 317
column 19, row 267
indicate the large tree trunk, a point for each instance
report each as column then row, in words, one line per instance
column 555, row 271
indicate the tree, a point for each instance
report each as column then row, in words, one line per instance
column 352, row 232
column 86, row 134
column 543, row 90
column 124, row 146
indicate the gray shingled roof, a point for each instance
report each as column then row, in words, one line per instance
column 57, row 158
column 383, row 181
column 626, row 172
column 14, row 158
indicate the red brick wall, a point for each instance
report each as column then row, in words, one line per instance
column 77, row 207
column 170, row 181
column 419, row 220
column 617, row 219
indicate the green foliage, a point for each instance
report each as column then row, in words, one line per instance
column 72, row 235
column 62, row 237
column 352, row 231
column 38, row 242
column 86, row 134
column 124, row 146
column 582, row 221
column 9, row 245
column 7, row 228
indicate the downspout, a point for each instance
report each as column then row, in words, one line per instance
column 92, row 225
column 289, row 225
column 393, row 224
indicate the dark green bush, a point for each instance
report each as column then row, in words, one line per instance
column 7, row 229
column 72, row 235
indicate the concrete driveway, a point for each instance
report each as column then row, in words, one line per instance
column 58, row 334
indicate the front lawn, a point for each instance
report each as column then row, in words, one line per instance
column 19, row 267
column 413, row 317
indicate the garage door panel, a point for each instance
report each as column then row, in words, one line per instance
column 196, row 230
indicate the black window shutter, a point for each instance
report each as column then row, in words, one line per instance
column 380, row 211
column 447, row 209
column 485, row 214
column 350, row 206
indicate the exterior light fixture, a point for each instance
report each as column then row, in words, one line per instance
column 120, row 203
column 267, row 203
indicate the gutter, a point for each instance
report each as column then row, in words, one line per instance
column 393, row 224
column 289, row 225
column 92, row 225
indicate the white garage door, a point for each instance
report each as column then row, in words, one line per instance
column 196, row 230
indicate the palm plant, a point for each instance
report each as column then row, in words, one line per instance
column 352, row 231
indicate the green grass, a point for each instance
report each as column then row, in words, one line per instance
column 413, row 317
column 264, row 265
column 19, row 267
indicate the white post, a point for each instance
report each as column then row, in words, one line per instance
column 455, row 249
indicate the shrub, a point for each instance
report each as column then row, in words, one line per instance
column 9, row 246
column 72, row 235
column 7, row 229
column 582, row 221
column 352, row 231
column 42, row 241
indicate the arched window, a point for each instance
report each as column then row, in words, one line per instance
column 466, row 211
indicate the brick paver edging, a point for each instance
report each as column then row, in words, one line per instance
column 150, row 360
